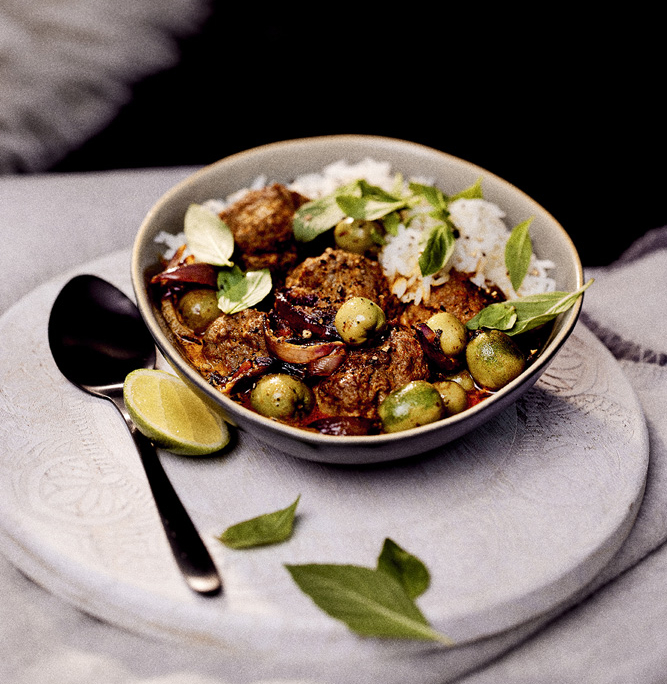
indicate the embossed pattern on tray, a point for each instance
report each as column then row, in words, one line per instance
column 511, row 520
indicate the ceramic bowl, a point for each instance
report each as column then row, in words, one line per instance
column 282, row 162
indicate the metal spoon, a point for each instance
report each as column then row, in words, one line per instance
column 97, row 337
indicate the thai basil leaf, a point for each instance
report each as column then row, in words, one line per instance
column 410, row 572
column 238, row 290
column 472, row 192
column 535, row 310
column 316, row 217
column 434, row 196
column 270, row 528
column 367, row 208
column 377, row 236
column 358, row 200
column 370, row 602
column 208, row 237
column 398, row 184
column 371, row 205
column 499, row 316
column 391, row 222
column 518, row 251
column 531, row 311
column 439, row 248
column 378, row 193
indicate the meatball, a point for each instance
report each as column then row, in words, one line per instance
column 234, row 338
column 338, row 275
column 458, row 296
column 369, row 374
column 261, row 223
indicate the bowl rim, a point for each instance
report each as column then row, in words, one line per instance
column 183, row 367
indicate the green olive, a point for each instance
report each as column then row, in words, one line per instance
column 454, row 397
column 355, row 235
column 358, row 319
column 494, row 359
column 417, row 403
column 464, row 379
column 281, row 396
column 453, row 334
column 198, row 309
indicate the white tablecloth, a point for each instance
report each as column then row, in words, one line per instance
column 614, row 633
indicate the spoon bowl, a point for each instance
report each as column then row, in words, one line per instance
column 96, row 337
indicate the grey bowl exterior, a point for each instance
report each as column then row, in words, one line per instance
column 282, row 162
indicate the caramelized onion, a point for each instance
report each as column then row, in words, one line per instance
column 174, row 321
column 328, row 364
column 288, row 351
column 197, row 273
column 251, row 368
column 319, row 322
column 430, row 343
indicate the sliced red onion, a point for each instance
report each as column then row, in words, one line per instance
column 327, row 364
column 430, row 343
column 195, row 273
column 320, row 322
column 173, row 319
column 290, row 352
column 176, row 258
column 250, row 368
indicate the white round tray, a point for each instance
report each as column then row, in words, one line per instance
column 511, row 520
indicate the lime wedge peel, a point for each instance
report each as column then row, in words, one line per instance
column 170, row 414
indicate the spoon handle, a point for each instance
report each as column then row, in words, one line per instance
column 189, row 550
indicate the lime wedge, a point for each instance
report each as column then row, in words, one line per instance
column 170, row 414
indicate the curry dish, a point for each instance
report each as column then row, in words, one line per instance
column 291, row 358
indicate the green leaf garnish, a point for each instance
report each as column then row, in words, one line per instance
column 375, row 192
column 238, row 290
column 208, row 236
column 531, row 311
column 358, row 200
column 391, row 222
column 435, row 197
column 368, row 208
column 472, row 192
column 317, row 216
column 410, row 572
column 499, row 316
column 370, row 602
column 442, row 240
column 439, row 248
column 518, row 250
column 270, row 528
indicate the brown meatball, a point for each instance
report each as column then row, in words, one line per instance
column 234, row 338
column 337, row 275
column 458, row 296
column 261, row 222
column 367, row 375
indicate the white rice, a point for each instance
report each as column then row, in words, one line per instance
column 315, row 185
column 171, row 242
column 480, row 248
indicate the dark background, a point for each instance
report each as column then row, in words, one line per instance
column 567, row 109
